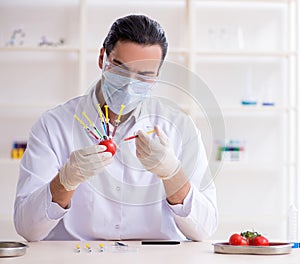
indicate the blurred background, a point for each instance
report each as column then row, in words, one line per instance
column 247, row 53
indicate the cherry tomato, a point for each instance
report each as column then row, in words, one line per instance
column 251, row 241
column 110, row 146
column 255, row 239
column 238, row 240
column 261, row 241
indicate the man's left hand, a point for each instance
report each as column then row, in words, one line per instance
column 156, row 154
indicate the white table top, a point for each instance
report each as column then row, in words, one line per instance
column 56, row 252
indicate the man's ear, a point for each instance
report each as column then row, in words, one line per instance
column 100, row 59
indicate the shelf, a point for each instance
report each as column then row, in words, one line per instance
column 41, row 49
column 254, row 3
column 252, row 218
column 24, row 110
column 10, row 162
column 249, row 109
column 238, row 166
column 245, row 53
column 245, row 1
column 41, row 4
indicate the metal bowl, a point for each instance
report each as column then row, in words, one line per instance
column 12, row 249
column 275, row 248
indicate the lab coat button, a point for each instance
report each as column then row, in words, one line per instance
column 117, row 226
column 118, row 188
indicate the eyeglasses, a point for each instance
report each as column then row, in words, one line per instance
column 116, row 69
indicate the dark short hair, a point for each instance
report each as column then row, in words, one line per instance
column 139, row 29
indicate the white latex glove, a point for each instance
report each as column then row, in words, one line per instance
column 156, row 154
column 82, row 164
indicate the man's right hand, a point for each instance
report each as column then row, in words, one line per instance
column 82, row 164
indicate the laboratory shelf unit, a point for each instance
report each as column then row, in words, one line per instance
column 242, row 49
column 41, row 49
column 252, row 60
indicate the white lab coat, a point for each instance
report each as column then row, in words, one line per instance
column 123, row 202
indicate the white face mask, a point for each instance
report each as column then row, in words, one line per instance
column 119, row 89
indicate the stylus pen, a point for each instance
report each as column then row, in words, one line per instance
column 160, row 242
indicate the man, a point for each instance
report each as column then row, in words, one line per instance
column 71, row 189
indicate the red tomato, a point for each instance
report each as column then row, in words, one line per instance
column 238, row 240
column 261, row 241
column 110, row 146
column 251, row 241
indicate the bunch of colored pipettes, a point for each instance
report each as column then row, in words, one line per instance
column 94, row 132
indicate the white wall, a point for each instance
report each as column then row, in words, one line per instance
column 33, row 80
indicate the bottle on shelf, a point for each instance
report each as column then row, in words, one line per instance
column 267, row 95
column 248, row 97
column 292, row 230
column 18, row 149
column 231, row 150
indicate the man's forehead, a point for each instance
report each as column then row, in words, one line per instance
column 136, row 56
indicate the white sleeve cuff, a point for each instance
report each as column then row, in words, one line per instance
column 184, row 209
column 54, row 210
